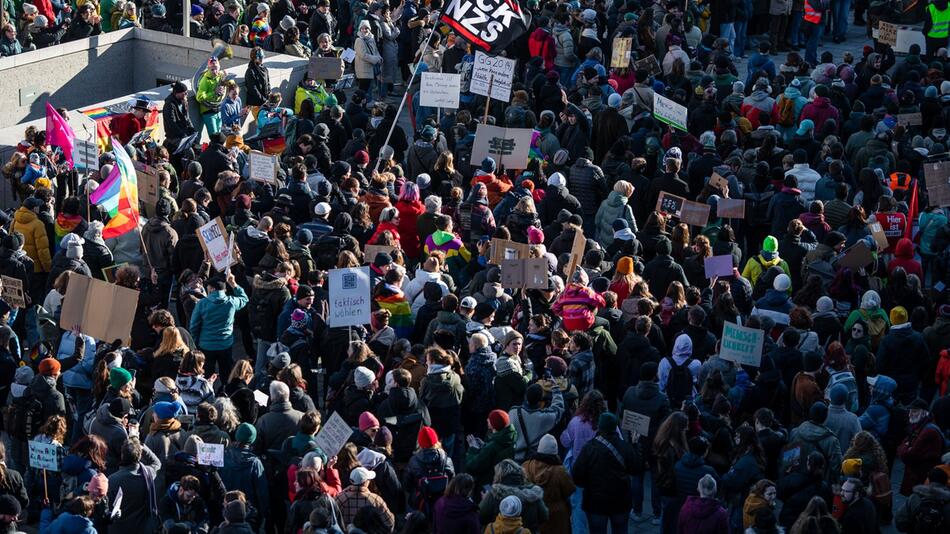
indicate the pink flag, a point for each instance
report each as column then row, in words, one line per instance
column 59, row 133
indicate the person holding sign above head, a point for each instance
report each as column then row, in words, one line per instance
column 212, row 322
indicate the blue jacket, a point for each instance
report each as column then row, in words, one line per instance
column 689, row 469
column 212, row 322
column 68, row 523
column 244, row 471
column 80, row 376
column 877, row 417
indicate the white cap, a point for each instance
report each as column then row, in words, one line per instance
column 361, row 475
column 557, row 180
column 322, row 209
column 287, row 22
column 468, row 303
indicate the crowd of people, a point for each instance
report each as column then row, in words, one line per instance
column 475, row 406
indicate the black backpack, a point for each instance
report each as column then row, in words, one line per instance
column 430, row 487
column 326, row 251
column 29, row 417
column 929, row 517
column 260, row 316
column 679, row 384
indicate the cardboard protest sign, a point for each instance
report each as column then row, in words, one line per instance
column 211, row 454
column 492, row 73
column 102, row 310
column 718, row 265
column 665, row 110
column 939, row 195
column 350, row 296
column 695, row 213
column 261, row 397
column 636, row 423
column 13, row 292
column 509, row 147
column 370, row 251
column 649, row 64
column 214, row 240
column 440, row 90
column 85, row 155
column 620, row 56
column 262, row 167
column 857, row 256
column 880, row 238
column 325, row 68
column 44, row 456
column 528, row 273
column 348, row 55
column 719, row 182
column 910, row 119
column 937, row 173
column 147, row 177
column 333, row 436
column 577, row 253
column 741, row 345
column 109, row 272
column 503, row 249
column 670, row 204
column 731, row 208
column 887, row 33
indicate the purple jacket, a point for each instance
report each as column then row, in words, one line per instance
column 702, row 516
column 455, row 515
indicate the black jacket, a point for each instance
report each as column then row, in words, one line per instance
column 605, row 480
column 661, row 271
column 257, row 82
column 97, row 256
column 176, row 119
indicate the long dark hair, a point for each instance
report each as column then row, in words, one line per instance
column 591, row 406
column 748, row 443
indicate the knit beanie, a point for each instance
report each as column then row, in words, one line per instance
column 119, row 377
column 245, row 433
column 368, row 421
column 625, row 265
column 547, row 445
column 607, row 423
column 898, row 315
column 838, row 394
column 427, row 437
column 498, row 419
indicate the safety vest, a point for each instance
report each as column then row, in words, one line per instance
column 900, row 180
column 941, row 22
column 811, row 14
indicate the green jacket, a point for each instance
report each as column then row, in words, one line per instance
column 208, row 100
column 480, row 462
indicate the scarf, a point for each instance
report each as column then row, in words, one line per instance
column 165, row 425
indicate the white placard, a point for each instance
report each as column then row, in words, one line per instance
column 348, row 55
column 440, row 90
column 211, row 454
column 635, row 422
column 349, row 296
column 44, row 456
column 262, row 167
column 216, row 243
column 85, row 155
column 333, row 436
column 117, row 505
column 509, row 147
column 670, row 112
column 261, row 397
column 741, row 344
column 495, row 71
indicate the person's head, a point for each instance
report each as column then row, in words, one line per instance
column 918, row 411
column 852, row 489
column 279, row 392
column 707, row 487
column 188, row 488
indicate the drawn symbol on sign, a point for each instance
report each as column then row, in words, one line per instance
column 349, row 281
column 501, row 146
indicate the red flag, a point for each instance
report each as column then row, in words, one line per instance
column 912, row 210
column 59, row 133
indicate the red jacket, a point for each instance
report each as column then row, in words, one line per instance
column 497, row 187
column 409, row 213
column 125, row 126
column 541, row 44
column 819, row 110
column 904, row 257
column 919, row 452
column 942, row 376
column 578, row 307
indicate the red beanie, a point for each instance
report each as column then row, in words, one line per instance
column 427, row 437
column 498, row 419
column 49, row 366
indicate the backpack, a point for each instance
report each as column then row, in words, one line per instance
column 846, row 378
column 679, row 383
column 260, row 316
column 757, row 205
column 28, row 417
column 882, row 494
column 877, row 327
column 929, row 517
column 795, row 455
column 430, row 487
column 786, row 112
column 326, row 251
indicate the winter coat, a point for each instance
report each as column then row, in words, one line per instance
column 689, row 469
column 533, row 423
column 904, row 258
column 615, row 207
column 137, row 514
column 555, row 200
column 819, row 437
column 426, row 462
column 605, row 479
column 68, row 523
column 479, row 380
column 244, row 471
column 564, row 46
column 700, row 515
column 933, row 492
column 367, row 58
column 820, row 110
column 902, row 355
column 577, row 306
column 455, row 515
column 212, row 321
column 160, row 240
column 786, row 205
column 795, row 489
column 534, row 512
column 480, row 462
column 35, row 239
column 920, row 451
column 547, row 472
column 496, row 187
column 661, row 271
column 541, row 44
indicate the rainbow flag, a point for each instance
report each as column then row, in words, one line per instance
column 119, row 194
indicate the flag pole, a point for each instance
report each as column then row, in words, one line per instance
column 402, row 103
column 491, row 82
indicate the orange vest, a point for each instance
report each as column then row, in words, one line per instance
column 811, row 15
column 900, row 180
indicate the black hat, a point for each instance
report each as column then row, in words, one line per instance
column 483, row 310
column 9, row 505
column 163, row 208
column 13, row 241
column 142, row 104
column 303, row 291
column 818, row 413
column 382, row 259
column 120, row 407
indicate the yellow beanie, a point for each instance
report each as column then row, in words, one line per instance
column 851, row 467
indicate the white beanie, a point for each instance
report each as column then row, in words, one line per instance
column 547, row 445
column 29, row 9
column 363, row 377
column 510, row 506
column 287, row 23
column 74, row 251
column 557, row 180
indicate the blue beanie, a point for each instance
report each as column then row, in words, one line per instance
column 838, row 395
column 304, row 236
column 488, row 165
column 166, row 410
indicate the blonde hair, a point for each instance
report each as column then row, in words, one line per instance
column 624, row 187
column 171, row 342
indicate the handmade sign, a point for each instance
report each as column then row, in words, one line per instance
column 13, row 292
column 214, row 240
column 325, row 68
column 440, row 90
column 937, row 173
column 741, row 345
column 857, row 256
column 665, row 110
column 85, row 155
column 577, row 253
column 503, row 249
column 44, row 456
column 349, row 297
column 910, row 119
column 211, row 454
column 261, row 397
column 348, row 55
column 370, row 251
column 880, row 238
column 620, row 56
column 334, row 435
column 718, row 265
column 509, row 147
column 147, row 177
column 100, row 309
column 262, row 167
column 492, row 73
column 669, row 203
column 649, row 64
column 731, row 208
column 109, row 272
column 695, row 213
column 719, row 182
column 887, row 33
column 939, row 195
column 529, row 273
column 636, row 423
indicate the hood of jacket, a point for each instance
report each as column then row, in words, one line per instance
column 647, row 390
column 403, row 400
column 268, row 281
column 156, row 225
column 792, row 92
column 441, row 237
column 700, row 507
column 904, row 249
column 821, row 102
column 809, row 431
column 24, row 216
column 528, row 493
column 933, row 491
